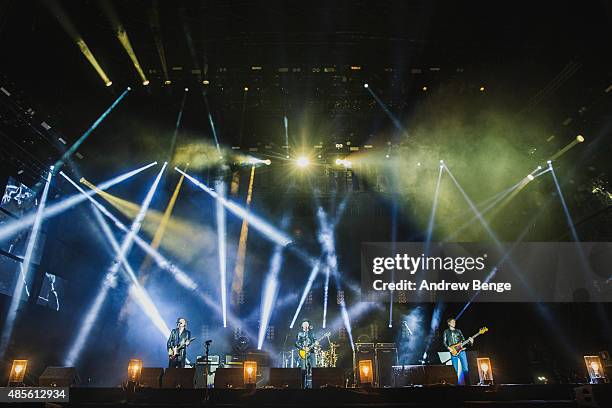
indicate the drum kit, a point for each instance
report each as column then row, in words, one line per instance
column 323, row 358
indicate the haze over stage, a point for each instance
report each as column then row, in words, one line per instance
column 231, row 162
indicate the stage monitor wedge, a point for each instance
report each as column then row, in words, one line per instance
column 179, row 378
column 327, row 377
column 58, row 377
column 151, row 377
column 229, row 378
column 285, row 378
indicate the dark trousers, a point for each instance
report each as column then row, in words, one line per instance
column 178, row 362
column 307, row 364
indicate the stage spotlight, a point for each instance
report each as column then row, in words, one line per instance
column 539, row 167
column 18, row 371
column 108, row 83
column 205, row 82
column 365, row 85
column 482, row 88
column 253, row 161
column 146, row 82
column 424, row 89
column 287, row 156
column 134, row 370
column 580, row 138
column 387, row 155
column 530, row 177
column 302, row 162
column 549, row 162
column 186, row 89
column 485, row 370
column 167, row 82
column 246, row 88
column 365, row 373
column 250, row 374
column 254, row 221
column 595, row 369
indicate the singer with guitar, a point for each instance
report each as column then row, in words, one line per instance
column 305, row 342
column 453, row 337
column 177, row 344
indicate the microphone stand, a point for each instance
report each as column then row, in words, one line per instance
column 206, row 365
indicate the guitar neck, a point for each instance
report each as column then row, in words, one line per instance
column 473, row 337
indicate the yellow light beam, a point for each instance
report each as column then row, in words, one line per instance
column 58, row 12
column 161, row 230
column 144, row 270
column 122, row 36
column 178, row 231
column 578, row 139
column 238, row 281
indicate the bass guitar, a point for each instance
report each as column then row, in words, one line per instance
column 459, row 347
column 176, row 351
column 304, row 352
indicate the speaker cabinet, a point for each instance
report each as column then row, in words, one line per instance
column 201, row 381
column 286, row 378
column 331, row 376
column 179, row 378
column 151, row 377
column 58, row 377
column 423, row 375
column 229, row 378
column 386, row 358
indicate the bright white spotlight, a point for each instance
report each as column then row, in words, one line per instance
column 302, row 161
column 220, row 187
column 580, row 138
column 12, row 227
column 269, row 294
column 186, row 89
column 387, row 155
column 146, row 82
column 267, row 162
column 530, row 177
column 344, row 162
column 109, row 83
column 260, row 225
column 25, row 268
column 120, row 259
column 365, row 85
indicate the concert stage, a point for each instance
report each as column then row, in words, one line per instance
column 509, row 395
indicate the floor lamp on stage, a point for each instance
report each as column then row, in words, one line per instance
column 250, row 374
column 595, row 369
column 134, row 373
column 17, row 375
column 485, row 370
column 366, row 377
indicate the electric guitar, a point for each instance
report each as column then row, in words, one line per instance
column 304, row 352
column 176, row 351
column 459, row 347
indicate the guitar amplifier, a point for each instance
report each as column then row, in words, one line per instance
column 386, row 358
column 200, row 366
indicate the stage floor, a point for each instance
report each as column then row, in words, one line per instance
column 509, row 395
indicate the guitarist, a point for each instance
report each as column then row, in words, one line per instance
column 306, row 341
column 177, row 344
column 452, row 336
